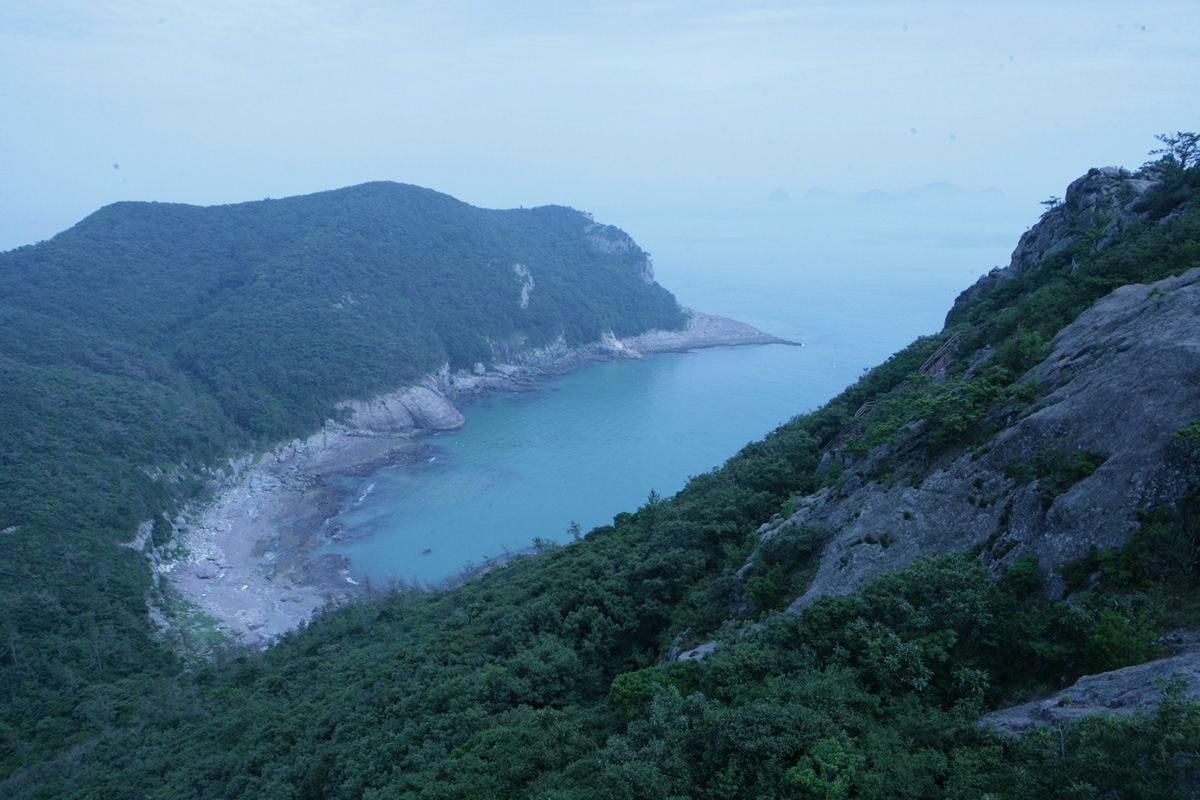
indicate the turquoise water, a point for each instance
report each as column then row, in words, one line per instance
column 582, row 448
column 588, row 445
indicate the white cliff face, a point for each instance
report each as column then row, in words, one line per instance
column 527, row 284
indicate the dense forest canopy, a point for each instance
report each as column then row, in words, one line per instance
column 549, row 678
column 277, row 309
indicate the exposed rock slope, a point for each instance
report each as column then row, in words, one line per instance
column 1112, row 387
column 1121, row 379
column 1121, row 691
column 1104, row 200
column 1057, row 464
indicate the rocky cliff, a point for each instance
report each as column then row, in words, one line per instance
column 1055, row 460
column 1106, row 396
column 1116, row 383
column 1100, row 204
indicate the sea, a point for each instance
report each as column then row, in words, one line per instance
column 852, row 279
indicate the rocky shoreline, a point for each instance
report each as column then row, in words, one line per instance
column 244, row 558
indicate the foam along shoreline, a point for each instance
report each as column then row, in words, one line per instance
column 244, row 558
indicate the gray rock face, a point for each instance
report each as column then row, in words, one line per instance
column 414, row 407
column 1104, row 197
column 702, row 330
column 1121, row 691
column 527, row 283
column 1120, row 379
column 608, row 239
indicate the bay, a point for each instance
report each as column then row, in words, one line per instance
column 853, row 287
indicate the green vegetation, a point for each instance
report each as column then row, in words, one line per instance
column 149, row 342
column 537, row 681
column 783, row 566
column 1057, row 469
column 278, row 309
column 543, row 679
column 1012, row 319
column 1189, row 434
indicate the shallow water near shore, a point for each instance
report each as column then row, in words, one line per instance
column 581, row 448
column 591, row 444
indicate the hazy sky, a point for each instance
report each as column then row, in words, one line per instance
column 653, row 106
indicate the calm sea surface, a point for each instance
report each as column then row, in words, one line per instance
column 854, row 288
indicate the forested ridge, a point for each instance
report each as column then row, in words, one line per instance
column 548, row 678
column 277, row 309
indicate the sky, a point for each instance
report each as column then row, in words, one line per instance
column 650, row 112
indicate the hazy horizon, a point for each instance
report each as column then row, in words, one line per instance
column 653, row 110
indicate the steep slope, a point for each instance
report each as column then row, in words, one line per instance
column 1009, row 445
column 1091, row 446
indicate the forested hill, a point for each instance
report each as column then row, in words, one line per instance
column 275, row 310
column 143, row 347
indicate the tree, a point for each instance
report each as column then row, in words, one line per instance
column 1182, row 149
column 1051, row 204
column 829, row 768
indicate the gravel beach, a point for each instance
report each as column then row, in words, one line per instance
column 244, row 558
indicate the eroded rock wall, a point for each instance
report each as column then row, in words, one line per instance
column 1119, row 380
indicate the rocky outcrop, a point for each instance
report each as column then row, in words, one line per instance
column 701, row 330
column 1118, row 382
column 1100, row 204
column 416, row 407
column 1121, row 691
column 610, row 239
column 1104, row 198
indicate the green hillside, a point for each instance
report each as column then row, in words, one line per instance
column 548, row 679
column 280, row 308
column 150, row 342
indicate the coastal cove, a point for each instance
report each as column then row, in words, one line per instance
column 581, row 441
column 580, row 447
column 251, row 560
